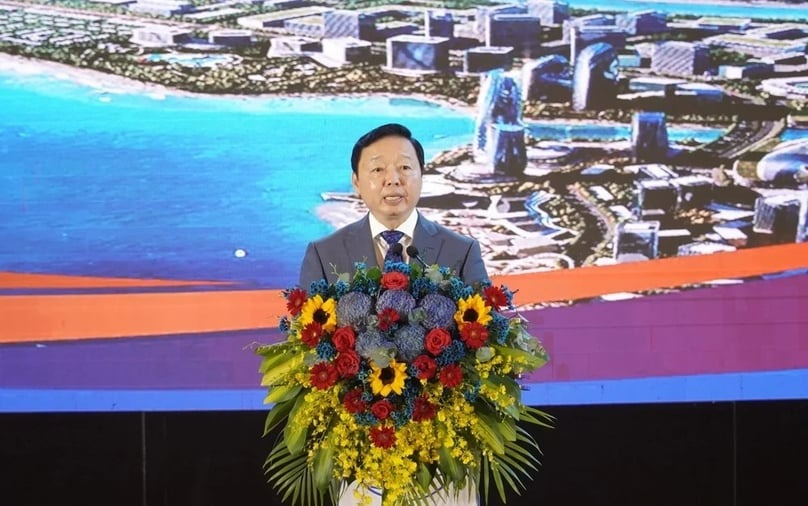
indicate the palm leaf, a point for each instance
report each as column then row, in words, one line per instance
column 292, row 477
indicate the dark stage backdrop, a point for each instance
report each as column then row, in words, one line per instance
column 159, row 183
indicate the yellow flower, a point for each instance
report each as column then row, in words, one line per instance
column 472, row 309
column 384, row 380
column 322, row 312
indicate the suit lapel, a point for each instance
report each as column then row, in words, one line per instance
column 427, row 239
column 358, row 244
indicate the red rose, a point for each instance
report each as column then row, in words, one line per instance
column 344, row 339
column 426, row 366
column 323, row 375
column 347, row 363
column 436, row 340
column 395, row 281
column 474, row 335
column 423, row 410
column 381, row 409
column 353, row 401
column 451, row 376
column 383, row 437
column 311, row 334
column 387, row 318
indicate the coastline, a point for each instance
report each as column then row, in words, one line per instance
column 751, row 3
column 115, row 84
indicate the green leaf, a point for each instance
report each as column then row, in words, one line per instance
column 280, row 366
column 488, row 426
column 294, row 434
column 282, row 393
column 450, row 466
column 277, row 414
column 323, row 466
column 423, row 476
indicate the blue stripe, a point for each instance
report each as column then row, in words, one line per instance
column 790, row 384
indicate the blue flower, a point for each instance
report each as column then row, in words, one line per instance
column 422, row 286
column 371, row 344
column 471, row 395
column 366, row 419
column 498, row 327
column 399, row 300
column 284, row 324
column 326, row 350
column 341, row 288
column 459, row 289
column 439, row 311
column 397, row 267
column 452, row 353
column 409, row 340
column 352, row 309
column 360, row 266
column 319, row 287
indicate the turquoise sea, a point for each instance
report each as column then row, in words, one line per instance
column 105, row 184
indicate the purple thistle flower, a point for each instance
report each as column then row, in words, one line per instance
column 439, row 311
column 352, row 309
column 400, row 300
column 371, row 343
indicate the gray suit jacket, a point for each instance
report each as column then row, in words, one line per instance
column 353, row 243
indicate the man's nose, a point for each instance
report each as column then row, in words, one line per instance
column 393, row 177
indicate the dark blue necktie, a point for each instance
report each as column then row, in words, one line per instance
column 392, row 237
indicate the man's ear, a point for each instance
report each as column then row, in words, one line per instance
column 355, row 183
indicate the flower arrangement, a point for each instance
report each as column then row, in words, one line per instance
column 401, row 379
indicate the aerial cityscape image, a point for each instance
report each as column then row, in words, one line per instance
column 629, row 167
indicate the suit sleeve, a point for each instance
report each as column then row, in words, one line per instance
column 474, row 267
column 312, row 267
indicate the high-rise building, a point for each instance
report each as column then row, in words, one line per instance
column 439, row 24
column 485, row 58
column 348, row 24
column 636, row 240
column 548, row 76
column 522, row 32
column 499, row 131
column 780, row 217
column 681, row 58
column 694, row 191
column 649, row 136
column 549, row 12
column 417, row 54
column 642, row 22
column 595, row 77
column 655, row 197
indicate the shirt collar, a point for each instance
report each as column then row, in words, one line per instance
column 408, row 227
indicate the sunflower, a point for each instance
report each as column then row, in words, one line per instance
column 472, row 309
column 385, row 380
column 315, row 310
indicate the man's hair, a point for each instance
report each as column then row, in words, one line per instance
column 388, row 130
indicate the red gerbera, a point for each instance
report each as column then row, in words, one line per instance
column 353, row 401
column 423, row 410
column 474, row 335
column 495, row 297
column 295, row 300
column 387, row 318
column 323, row 375
column 451, row 376
column 311, row 334
column 383, row 437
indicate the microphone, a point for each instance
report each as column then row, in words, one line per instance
column 412, row 251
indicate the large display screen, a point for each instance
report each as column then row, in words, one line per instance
column 636, row 171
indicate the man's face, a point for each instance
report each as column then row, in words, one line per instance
column 388, row 179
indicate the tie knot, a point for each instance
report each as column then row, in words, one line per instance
column 392, row 236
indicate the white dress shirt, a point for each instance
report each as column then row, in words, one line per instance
column 407, row 228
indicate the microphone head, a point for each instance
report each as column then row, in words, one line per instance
column 397, row 248
column 412, row 251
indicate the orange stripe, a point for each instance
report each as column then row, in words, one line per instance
column 55, row 317
column 573, row 284
column 25, row 280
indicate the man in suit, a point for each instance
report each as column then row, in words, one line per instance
column 387, row 165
